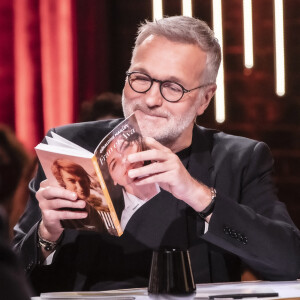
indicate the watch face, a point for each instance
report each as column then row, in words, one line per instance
column 48, row 246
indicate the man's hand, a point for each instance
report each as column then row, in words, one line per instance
column 167, row 170
column 54, row 203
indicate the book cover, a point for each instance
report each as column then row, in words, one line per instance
column 99, row 178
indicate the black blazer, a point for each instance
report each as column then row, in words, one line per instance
column 249, row 225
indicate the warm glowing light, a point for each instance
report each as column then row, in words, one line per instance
column 187, row 8
column 220, row 95
column 248, row 33
column 157, row 9
column 279, row 48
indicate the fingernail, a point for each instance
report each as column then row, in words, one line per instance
column 130, row 173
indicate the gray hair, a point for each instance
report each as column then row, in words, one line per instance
column 187, row 30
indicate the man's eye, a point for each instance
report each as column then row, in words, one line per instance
column 171, row 86
column 141, row 78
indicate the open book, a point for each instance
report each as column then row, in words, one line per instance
column 99, row 178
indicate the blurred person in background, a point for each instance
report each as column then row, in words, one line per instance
column 103, row 107
column 14, row 163
column 17, row 167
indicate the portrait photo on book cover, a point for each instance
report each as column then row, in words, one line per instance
column 114, row 164
column 80, row 177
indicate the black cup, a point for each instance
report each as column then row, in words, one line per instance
column 171, row 273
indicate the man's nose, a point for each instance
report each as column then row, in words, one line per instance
column 153, row 97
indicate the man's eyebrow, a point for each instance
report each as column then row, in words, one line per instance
column 175, row 79
column 170, row 78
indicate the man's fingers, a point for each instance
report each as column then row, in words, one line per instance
column 64, row 204
column 69, row 214
column 44, row 183
column 148, row 155
column 51, row 192
column 151, row 143
column 159, row 178
column 64, row 215
column 147, row 170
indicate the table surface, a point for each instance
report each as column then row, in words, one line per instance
column 285, row 289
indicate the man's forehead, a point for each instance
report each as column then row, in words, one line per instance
column 150, row 38
column 167, row 59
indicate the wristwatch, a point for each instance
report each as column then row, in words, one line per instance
column 48, row 245
column 209, row 209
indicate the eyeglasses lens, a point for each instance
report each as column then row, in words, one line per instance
column 141, row 83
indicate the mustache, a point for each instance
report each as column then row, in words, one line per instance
column 156, row 111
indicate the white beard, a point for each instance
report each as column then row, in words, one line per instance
column 173, row 127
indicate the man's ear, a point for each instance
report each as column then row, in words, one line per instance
column 206, row 98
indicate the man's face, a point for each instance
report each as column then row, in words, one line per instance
column 76, row 184
column 118, row 165
column 162, row 59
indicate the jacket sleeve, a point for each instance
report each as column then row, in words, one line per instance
column 25, row 232
column 86, row 135
column 252, row 223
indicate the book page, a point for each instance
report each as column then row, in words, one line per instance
column 63, row 149
column 61, row 140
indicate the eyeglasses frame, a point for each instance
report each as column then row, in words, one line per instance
column 161, row 82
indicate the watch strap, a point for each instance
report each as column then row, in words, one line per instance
column 48, row 245
column 210, row 207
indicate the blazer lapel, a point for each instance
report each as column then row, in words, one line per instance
column 200, row 164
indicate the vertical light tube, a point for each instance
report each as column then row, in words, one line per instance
column 157, row 9
column 220, row 95
column 248, row 33
column 279, row 48
column 187, row 9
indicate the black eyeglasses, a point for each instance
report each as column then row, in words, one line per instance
column 170, row 90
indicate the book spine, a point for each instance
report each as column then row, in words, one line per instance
column 107, row 197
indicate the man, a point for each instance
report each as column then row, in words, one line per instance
column 217, row 197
